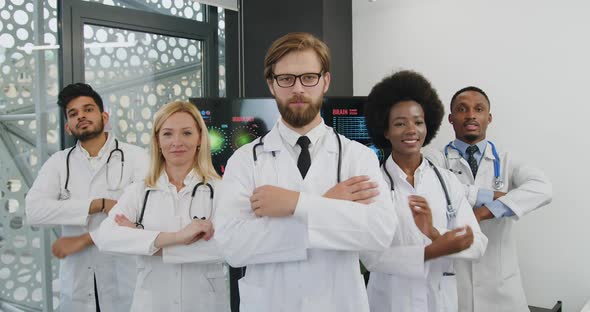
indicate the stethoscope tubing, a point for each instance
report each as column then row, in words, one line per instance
column 451, row 212
column 66, row 192
column 139, row 222
column 498, row 183
column 339, row 167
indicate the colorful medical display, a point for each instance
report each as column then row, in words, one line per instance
column 243, row 135
column 233, row 123
column 218, row 139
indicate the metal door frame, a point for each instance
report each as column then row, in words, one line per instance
column 74, row 14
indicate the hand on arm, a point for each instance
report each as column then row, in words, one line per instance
column 194, row 231
column 423, row 216
column 122, row 220
column 482, row 213
column 65, row 246
column 272, row 201
column 451, row 242
column 358, row 189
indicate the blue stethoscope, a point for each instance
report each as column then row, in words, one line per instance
column 498, row 183
column 139, row 224
column 261, row 144
column 65, row 194
column 451, row 211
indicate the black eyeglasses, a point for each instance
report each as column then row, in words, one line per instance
column 307, row 79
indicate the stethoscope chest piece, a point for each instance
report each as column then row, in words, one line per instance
column 498, row 184
column 451, row 213
column 65, row 195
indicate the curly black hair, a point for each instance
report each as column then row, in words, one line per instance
column 76, row 90
column 402, row 86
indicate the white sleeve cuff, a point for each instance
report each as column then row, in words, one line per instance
column 302, row 207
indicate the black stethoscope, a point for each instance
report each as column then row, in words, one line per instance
column 139, row 224
column 261, row 143
column 65, row 194
column 451, row 211
column 498, row 183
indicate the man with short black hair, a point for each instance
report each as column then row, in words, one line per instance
column 76, row 188
column 501, row 191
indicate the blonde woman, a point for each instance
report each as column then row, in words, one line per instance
column 167, row 220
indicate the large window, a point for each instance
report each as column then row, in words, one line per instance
column 134, row 71
column 28, row 82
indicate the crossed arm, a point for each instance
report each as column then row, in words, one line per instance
column 270, row 224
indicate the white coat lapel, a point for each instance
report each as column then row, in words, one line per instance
column 280, row 169
column 486, row 167
column 326, row 159
column 459, row 164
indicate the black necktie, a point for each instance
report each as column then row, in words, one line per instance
column 471, row 159
column 304, row 160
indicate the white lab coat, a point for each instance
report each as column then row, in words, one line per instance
column 493, row 283
column 114, row 274
column 400, row 279
column 309, row 261
column 186, row 277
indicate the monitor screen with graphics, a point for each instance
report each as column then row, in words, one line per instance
column 235, row 122
column 345, row 114
column 238, row 121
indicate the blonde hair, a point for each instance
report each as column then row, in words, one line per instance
column 296, row 41
column 202, row 164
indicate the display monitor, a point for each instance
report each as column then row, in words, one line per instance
column 345, row 114
column 233, row 122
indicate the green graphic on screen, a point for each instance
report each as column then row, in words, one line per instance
column 218, row 140
column 242, row 136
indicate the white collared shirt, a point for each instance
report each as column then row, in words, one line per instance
column 103, row 153
column 316, row 137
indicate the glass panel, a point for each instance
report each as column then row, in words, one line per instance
column 136, row 73
column 181, row 8
column 28, row 70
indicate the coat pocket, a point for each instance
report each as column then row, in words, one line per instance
column 144, row 274
column 253, row 298
column 329, row 301
column 142, row 301
column 217, row 275
column 448, row 294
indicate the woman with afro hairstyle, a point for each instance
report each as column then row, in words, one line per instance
column 403, row 113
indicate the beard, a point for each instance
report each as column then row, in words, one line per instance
column 299, row 117
column 88, row 134
column 471, row 138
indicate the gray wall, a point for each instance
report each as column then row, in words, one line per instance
column 530, row 59
column 264, row 21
